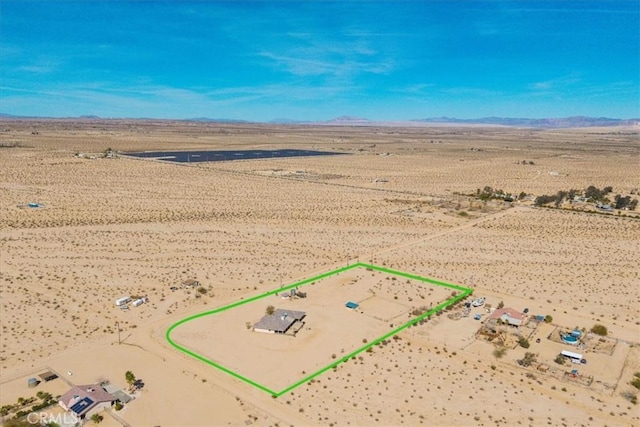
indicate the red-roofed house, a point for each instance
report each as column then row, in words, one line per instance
column 509, row 316
column 86, row 399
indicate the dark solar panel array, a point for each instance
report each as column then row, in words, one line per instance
column 222, row 156
column 81, row 405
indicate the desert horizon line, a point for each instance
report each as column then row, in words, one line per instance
column 558, row 121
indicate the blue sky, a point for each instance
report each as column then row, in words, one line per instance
column 315, row 60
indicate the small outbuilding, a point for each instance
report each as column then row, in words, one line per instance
column 352, row 305
column 48, row 376
column 190, row 283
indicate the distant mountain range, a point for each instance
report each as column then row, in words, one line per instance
column 549, row 123
column 562, row 122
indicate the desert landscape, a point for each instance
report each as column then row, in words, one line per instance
column 84, row 223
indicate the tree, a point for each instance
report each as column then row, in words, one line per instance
column 622, row 202
column 44, row 396
column 130, row 378
column 97, row 418
column 572, row 193
column 636, row 380
column 633, row 205
column 529, row 359
column 560, row 198
column 270, row 310
column 544, row 199
column 599, row 330
column 524, row 343
column 559, row 359
column 499, row 352
column 501, row 305
column 592, row 192
column 548, row 318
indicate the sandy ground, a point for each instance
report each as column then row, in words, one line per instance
column 330, row 330
column 115, row 227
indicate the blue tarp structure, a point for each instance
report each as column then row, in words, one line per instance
column 351, row 305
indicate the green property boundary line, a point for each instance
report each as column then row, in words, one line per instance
column 464, row 292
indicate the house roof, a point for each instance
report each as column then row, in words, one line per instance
column 117, row 393
column 280, row 320
column 514, row 314
column 82, row 398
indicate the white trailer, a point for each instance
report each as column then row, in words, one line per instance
column 138, row 302
column 122, row 301
column 574, row 357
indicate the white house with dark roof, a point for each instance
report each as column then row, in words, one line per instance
column 279, row 322
column 86, row 400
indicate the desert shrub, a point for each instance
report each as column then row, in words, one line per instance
column 636, row 382
column 630, row 396
column 548, row 319
column 202, row 290
column 524, row 343
column 118, row 406
column 17, row 423
column 560, row 359
column 499, row 352
column 544, row 199
column 529, row 359
column 599, row 330
column 270, row 310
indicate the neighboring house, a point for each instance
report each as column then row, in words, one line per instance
column 279, row 322
column 509, row 316
column 86, row 400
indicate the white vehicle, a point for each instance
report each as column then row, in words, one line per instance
column 478, row 302
column 123, row 301
column 138, row 302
